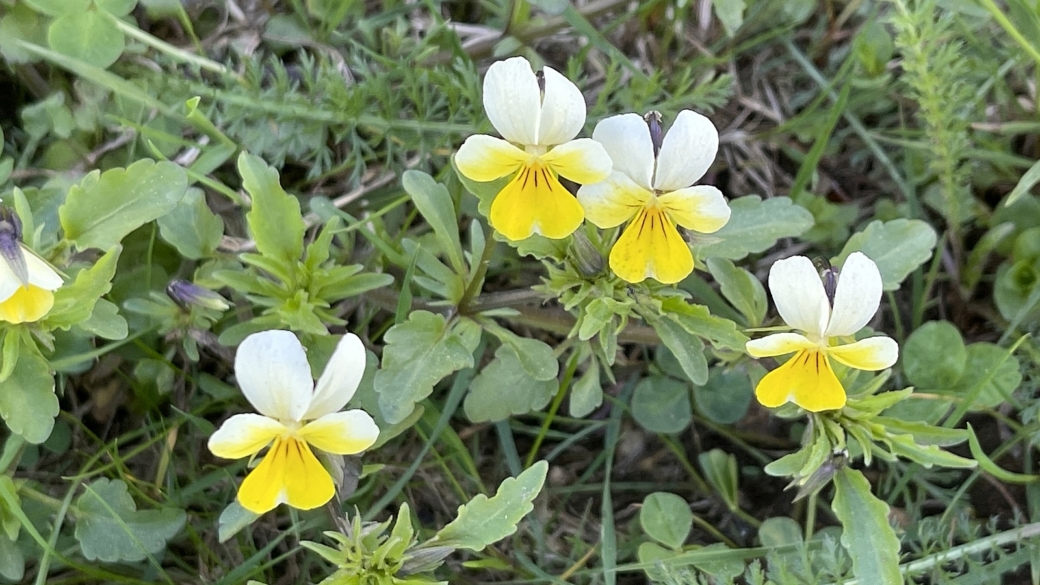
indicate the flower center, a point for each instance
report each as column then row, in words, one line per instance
column 535, row 150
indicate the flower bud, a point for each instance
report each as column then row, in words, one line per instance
column 586, row 256
column 187, row 294
column 653, row 120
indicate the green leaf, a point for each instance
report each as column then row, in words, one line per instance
column 991, row 374
column 90, row 37
column 990, row 467
column 103, row 208
column 484, row 520
column 934, row 355
column 418, row 354
column 74, row 302
column 926, row 455
column 686, row 347
column 586, row 392
column 435, row 204
column 275, row 220
column 28, row 403
column 232, row 520
column 116, row 7
column 504, row 388
column 780, row 531
column 106, row 322
column 741, row 289
column 698, row 320
column 12, row 561
column 192, row 227
column 59, row 7
column 720, row 469
column 897, row 247
column 754, row 226
column 730, row 13
column 536, row 357
column 661, row 405
column 666, row 518
column 726, row 395
column 1025, row 183
column 866, row 533
column 110, row 529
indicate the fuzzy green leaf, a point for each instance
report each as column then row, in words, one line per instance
column 28, row 403
column 418, row 354
column 698, row 320
column 233, row 520
column 754, row 226
column 91, row 37
column 505, row 388
column 897, row 247
column 435, row 204
column 192, row 227
column 741, row 289
column 661, row 404
column 934, row 355
column 687, row 348
column 866, row 533
column 110, row 529
column 484, row 520
column 104, row 207
column 586, row 393
column 666, row 518
column 275, row 220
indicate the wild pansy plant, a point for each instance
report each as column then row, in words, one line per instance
column 538, row 116
column 295, row 415
column 825, row 311
column 651, row 189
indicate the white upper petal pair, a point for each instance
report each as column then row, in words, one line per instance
column 524, row 114
column 273, row 373
column 803, row 304
column 40, row 274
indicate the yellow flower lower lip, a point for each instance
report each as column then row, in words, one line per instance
column 28, row 304
column 535, row 202
column 806, row 379
column 651, row 247
column 289, row 473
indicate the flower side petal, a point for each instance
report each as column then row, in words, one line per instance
column 341, row 433
column 871, row 354
column 288, row 473
column 340, row 380
column 512, row 100
column 563, row 110
column 485, row 158
column 535, row 202
column 778, row 344
column 651, row 247
column 687, row 151
column 857, row 296
column 40, row 273
column 701, row 208
column 807, row 380
column 273, row 373
column 244, row 434
column 626, row 138
column 583, row 161
column 614, row 201
column 9, row 282
column 798, row 294
column 27, row 305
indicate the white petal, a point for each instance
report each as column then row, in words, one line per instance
column 627, row 140
column 799, row 296
column 512, row 100
column 272, row 371
column 563, row 110
column 244, row 434
column 485, row 158
column 339, row 381
column 40, row 273
column 871, row 354
column 700, row 208
column 778, row 344
column 612, row 202
column 341, row 433
column 583, row 161
column 9, row 282
column 688, row 150
column 857, row 296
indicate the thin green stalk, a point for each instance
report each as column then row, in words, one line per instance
column 475, row 283
column 167, row 48
column 1009, row 27
column 572, row 365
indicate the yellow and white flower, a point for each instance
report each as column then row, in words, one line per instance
column 824, row 315
column 538, row 116
column 651, row 186
column 26, row 282
column 295, row 415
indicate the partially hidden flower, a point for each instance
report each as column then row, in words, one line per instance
column 825, row 314
column 188, row 294
column 295, row 416
column 650, row 188
column 26, row 282
column 538, row 116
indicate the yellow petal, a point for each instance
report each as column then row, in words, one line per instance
column 341, row 433
column 289, row 473
column 701, row 208
column 486, row 158
column 244, row 434
column 583, row 161
column 614, row 201
column 535, row 202
column 651, row 247
column 27, row 304
column 871, row 354
column 777, row 344
column 807, row 380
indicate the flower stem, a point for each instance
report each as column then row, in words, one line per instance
column 572, row 365
column 475, row 284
